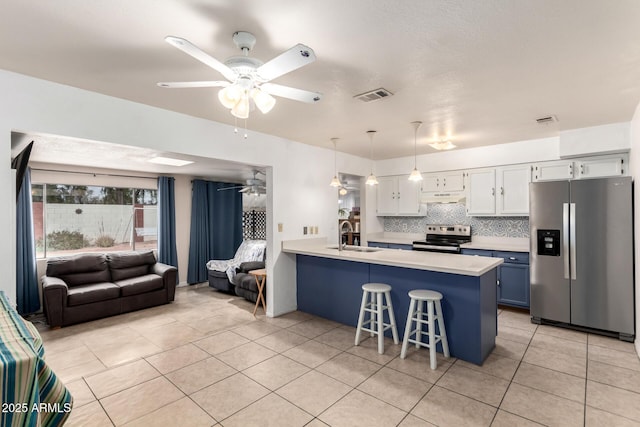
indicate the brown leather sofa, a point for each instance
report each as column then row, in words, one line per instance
column 89, row 286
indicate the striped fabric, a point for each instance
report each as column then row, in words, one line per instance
column 32, row 395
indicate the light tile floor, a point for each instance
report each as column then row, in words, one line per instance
column 204, row 360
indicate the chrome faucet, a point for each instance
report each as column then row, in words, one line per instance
column 341, row 245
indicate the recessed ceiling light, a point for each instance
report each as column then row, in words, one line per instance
column 443, row 145
column 169, row 161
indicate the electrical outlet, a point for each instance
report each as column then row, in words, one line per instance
column 315, row 229
column 280, row 227
column 304, row 230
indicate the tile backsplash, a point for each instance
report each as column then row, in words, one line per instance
column 454, row 213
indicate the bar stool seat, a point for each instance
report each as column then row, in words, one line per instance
column 416, row 314
column 372, row 303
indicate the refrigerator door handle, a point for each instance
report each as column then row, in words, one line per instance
column 572, row 233
column 565, row 238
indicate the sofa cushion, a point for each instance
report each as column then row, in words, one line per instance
column 246, row 267
column 94, row 292
column 246, row 281
column 140, row 285
column 79, row 269
column 125, row 265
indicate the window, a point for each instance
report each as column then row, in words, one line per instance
column 75, row 218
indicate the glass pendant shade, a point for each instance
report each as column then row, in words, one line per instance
column 263, row 100
column 371, row 179
column 229, row 96
column 335, row 182
column 415, row 175
column 242, row 108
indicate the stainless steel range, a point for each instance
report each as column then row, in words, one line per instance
column 444, row 238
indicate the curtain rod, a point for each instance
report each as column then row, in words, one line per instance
column 94, row 174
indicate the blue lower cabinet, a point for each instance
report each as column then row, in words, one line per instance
column 333, row 289
column 513, row 285
column 513, row 276
column 378, row 245
column 400, row 246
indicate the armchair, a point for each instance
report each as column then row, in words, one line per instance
column 222, row 273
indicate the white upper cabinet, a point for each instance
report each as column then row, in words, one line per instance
column 443, row 182
column 584, row 168
column 397, row 196
column 481, row 195
column 600, row 167
column 512, row 184
column 553, row 171
column 500, row 191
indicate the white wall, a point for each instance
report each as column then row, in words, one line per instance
column 298, row 174
column 634, row 160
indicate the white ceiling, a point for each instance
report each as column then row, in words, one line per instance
column 480, row 72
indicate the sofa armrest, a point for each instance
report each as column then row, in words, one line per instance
column 54, row 295
column 169, row 277
column 246, row 267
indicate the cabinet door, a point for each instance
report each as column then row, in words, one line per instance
column 553, row 171
column 481, row 196
column 453, row 181
column 595, row 168
column 512, row 183
column 408, row 196
column 387, row 201
column 513, row 285
column 431, row 183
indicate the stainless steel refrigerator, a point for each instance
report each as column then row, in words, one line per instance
column 582, row 254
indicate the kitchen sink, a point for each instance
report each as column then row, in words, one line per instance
column 355, row 248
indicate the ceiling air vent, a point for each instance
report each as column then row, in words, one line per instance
column 373, row 95
column 546, row 120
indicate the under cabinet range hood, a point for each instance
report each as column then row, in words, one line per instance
column 453, row 197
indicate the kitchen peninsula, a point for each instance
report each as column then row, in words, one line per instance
column 329, row 285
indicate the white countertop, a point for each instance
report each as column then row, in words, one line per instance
column 510, row 244
column 432, row 261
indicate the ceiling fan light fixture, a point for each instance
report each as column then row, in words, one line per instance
column 263, row 100
column 230, row 95
column 242, row 108
column 343, row 191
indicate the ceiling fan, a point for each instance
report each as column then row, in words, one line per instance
column 248, row 78
column 253, row 185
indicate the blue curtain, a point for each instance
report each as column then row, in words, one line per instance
column 216, row 226
column 26, row 278
column 167, row 253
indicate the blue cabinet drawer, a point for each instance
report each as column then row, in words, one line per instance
column 513, row 257
column 476, row 252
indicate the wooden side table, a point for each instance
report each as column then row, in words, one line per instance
column 261, row 277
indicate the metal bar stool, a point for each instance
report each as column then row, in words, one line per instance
column 416, row 313
column 375, row 307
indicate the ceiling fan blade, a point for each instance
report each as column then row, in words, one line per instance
column 290, row 60
column 231, row 188
column 244, row 190
column 291, row 93
column 180, row 85
column 190, row 49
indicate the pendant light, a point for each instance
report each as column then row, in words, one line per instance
column 371, row 179
column 415, row 173
column 335, row 182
